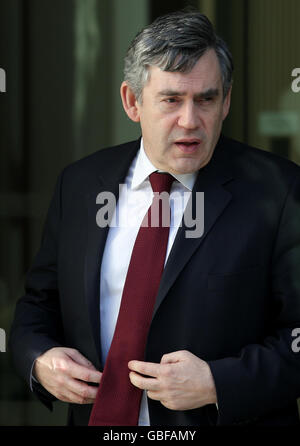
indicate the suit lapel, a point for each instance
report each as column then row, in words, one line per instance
column 211, row 180
column 107, row 174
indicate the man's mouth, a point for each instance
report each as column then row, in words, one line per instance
column 188, row 145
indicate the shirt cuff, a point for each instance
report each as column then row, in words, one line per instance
column 32, row 377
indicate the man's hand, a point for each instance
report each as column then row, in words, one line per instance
column 64, row 372
column 181, row 381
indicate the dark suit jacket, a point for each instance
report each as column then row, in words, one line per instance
column 231, row 297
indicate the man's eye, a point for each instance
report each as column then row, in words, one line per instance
column 171, row 100
column 213, row 99
column 208, row 99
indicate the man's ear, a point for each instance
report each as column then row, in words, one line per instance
column 226, row 103
column 129, row 102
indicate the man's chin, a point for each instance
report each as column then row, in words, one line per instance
column 186, row 167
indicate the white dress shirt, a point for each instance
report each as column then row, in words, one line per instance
column 134, row 200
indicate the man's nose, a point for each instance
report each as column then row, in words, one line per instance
column 188, row 118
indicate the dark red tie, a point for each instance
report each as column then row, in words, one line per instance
column 118, row 401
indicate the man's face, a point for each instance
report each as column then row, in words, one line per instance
column 181, row 115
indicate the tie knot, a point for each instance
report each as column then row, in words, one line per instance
column 161, row 182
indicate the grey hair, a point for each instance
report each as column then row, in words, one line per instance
column 174, row 42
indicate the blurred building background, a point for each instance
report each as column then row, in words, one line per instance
column 63, row 61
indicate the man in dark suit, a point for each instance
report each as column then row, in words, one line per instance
column 219, row 348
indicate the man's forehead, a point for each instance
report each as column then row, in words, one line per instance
column 209, row 92
column 176, row 83
column 205, row 74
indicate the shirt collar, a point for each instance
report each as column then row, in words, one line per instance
column 143, row 168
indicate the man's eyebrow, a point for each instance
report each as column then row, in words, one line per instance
column 211, row 92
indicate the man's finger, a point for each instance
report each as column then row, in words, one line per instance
column 146, row 368
column 79, row 358
column 173, row 357
column 73, row 397
column 154, row 395
column 143, row 383
column 83, row 390
column 85, row 374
